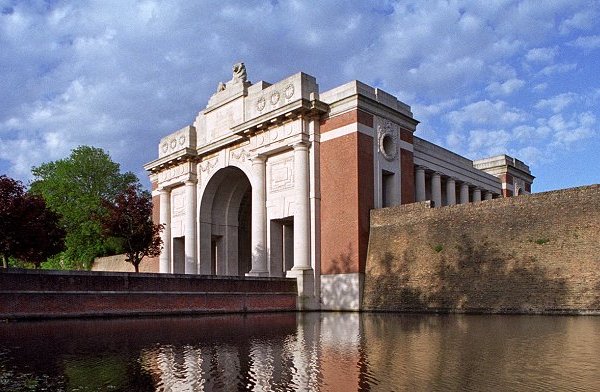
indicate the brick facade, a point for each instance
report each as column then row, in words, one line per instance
column 346, row 199
column 528, row 254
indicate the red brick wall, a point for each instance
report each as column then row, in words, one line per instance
column 346, row 198
column 29, row 294
column 527, row 254
column 351, row 117
column 366, row 195
column 339, row 205
column 407, row 176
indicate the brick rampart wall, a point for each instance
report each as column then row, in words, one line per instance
column 528, row 254
column 32, row 294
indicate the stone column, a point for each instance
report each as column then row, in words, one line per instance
column 476, row 194
column 259, row 218
column 436, row 189
column 302, row 208
column 450, row 191
column 464, row 193
column 190, row 228
column 302, row 270
column 488, row 195
column 164, row 260
column 420, row 183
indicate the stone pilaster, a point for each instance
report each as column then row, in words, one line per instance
column 302, row 269
column 420, row 183
column 464, row 193
column 476, row 195
column 451, row 191
column 164, row 261
column 302, row 208
column 436, row 189
column 259, row 218
column 191, row 265
column 488, row 195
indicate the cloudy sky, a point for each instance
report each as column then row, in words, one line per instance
column 483, row 77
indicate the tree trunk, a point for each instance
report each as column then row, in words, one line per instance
column 4, row 262
column 137, row 267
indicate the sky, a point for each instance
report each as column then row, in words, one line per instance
column 482, row 77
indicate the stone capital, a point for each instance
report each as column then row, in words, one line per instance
column 300, row 145
column 258, row 159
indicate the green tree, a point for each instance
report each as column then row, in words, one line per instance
column 129, row 218
column 74, row 188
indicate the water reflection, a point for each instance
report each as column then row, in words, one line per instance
column 306, row 352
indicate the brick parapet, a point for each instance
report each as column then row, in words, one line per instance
column 27, row 294
column 527, row 254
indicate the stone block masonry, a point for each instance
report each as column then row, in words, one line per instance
column 536, row 253
column 51, row 294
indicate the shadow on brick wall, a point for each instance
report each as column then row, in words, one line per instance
column 339, row 282
column 480, row 276
column 343, row 262
column 394, row 278
column 465, row 276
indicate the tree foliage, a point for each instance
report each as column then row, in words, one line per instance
column 74, row 188
column 29, row 231
column 129, row 217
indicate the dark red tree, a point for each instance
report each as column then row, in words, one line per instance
column 29, row 231
column 41, row 235
column 129, row 218
column 11, row 191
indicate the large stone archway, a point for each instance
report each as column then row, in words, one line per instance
column 225, row 224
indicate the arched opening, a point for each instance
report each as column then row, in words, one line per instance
column 225, row 224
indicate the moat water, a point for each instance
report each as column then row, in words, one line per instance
column 303, row 352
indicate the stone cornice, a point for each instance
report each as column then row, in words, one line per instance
column 274, row 118
column 373, row 107
column 175, row 158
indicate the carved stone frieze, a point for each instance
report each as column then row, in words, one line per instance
column 208, row 165
column 240, row 155
column 275, row 97
column 173, row 172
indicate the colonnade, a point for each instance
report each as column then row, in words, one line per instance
column 467, row 192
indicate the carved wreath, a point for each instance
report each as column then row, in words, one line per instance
column 387, row 136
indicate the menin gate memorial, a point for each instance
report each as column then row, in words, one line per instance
column 278, row 180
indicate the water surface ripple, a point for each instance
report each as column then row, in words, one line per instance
column 303, row 352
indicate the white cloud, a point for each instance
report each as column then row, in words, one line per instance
column 483, row 113
column 587, row 42
column 557, row 68
column 541, row 55
column 540, row 87
column 506, row 88
column 566, row 132
column 434, row 109
column 558, row 102
column 532, row 155
column 483, row 142
column 582, row 20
